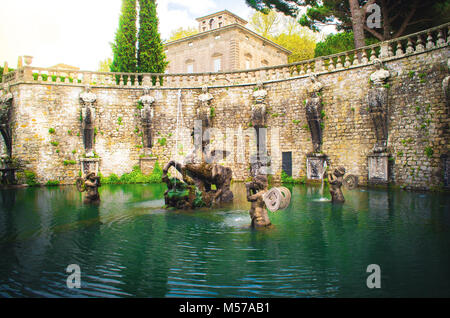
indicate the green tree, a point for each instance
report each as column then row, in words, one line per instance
column 338, row 42
column 182, row 33
column 151, row 56
column 286, row 32
column 124, row 46
column 398, row 17
column 265, row 23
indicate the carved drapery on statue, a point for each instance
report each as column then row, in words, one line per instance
column 6, row 100
column 314, row 111
column 147, row 113
column 87, row 99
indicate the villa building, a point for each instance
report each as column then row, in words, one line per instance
column 223, row 44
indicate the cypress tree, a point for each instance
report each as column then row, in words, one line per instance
column 124, row 47
column 151, row 56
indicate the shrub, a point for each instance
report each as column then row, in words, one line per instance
column 52, row 183
column 52, row 130
column 162, row 141
column 429, row 151
column 69, row 162
column 135, row 176
column 285, row 178
column 30, row 178
column 54, row 143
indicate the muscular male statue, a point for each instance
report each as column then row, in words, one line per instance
column 255, row 192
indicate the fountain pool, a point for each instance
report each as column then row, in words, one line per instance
column 130, row 246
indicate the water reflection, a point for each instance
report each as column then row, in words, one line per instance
column 131, row 246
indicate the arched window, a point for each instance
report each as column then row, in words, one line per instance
column 212, row 24
column 264, row 63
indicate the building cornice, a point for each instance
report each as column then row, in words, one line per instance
column 222, row 12
column 226, row 28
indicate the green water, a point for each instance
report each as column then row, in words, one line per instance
column 130, row 247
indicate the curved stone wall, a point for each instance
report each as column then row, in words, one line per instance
column 417, row 115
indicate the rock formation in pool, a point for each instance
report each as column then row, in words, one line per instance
column 90, row 185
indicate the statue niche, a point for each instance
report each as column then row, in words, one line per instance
column 87, row 99
column 147, row 113
column 314, row 112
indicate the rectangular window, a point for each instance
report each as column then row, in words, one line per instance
column 217, row 65
column 190, row 68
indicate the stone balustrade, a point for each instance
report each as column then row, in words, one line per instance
column 417, row 43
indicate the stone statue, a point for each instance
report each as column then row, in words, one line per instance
column 446, row 86
column 259, row 107
column 90, row 185
column 203, row 113
column 147, row 113
column 87, row 99
column 255, row 194
column 336, row 180
column 5, row 108
column 259, row 163
column 314, row 111
column 195, row 188
column 263, row 199
column 378, row 103
column 6, row 97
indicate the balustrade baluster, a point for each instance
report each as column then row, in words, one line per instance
column 420, row 47
column 399, row 51
column 347, row 60
column 356, row 58
column 410, row 47
column 331, row 66
column 339, row 63
column 441, row 38
column 430, row 43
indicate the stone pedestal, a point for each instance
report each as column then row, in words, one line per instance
column 89, row 165
column 147, row 164
column 379, row 168
column 315, row 166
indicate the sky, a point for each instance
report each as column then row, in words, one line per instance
column 79, row 33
